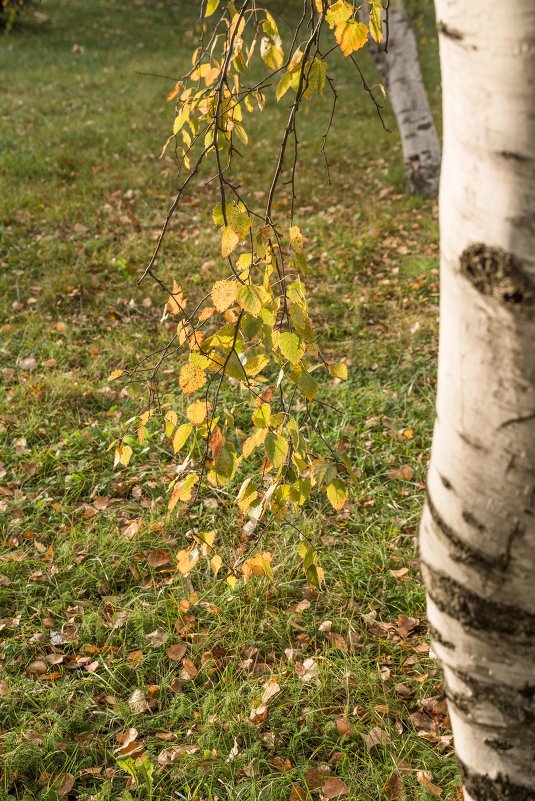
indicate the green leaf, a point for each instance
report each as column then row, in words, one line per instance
column 283, row 86
column 291, row 347
column 276, row 449
column 337, row 493
column 307, row 384
column 250, row 299
column 262, row 416
column 323, row 473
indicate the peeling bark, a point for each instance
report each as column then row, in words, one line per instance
column 477, row 540
column 400, row 70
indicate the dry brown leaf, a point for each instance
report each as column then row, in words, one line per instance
column 394, row 788
column 271, row 688
column 177, row 651
column 137, row 701
column 334, row 788
column 424, row 778
column 169, row 755
column 158, row 558
column 315, row 777
column 298, row 794
column 258, row 715
column 376, row 737
column 344, row 726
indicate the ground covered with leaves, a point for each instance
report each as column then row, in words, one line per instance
column 121, row 678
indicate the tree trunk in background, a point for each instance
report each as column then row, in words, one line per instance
column 478, row 529
column 400, row 70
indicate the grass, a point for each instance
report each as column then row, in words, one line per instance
column 87, row 612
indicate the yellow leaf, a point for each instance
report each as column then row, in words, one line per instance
column 223, row 294
column 229, row 240
column 115, row 374
column 211, row 7
column 177, row 302
column 351, row 36
column 216, row 563
column 376, row 27
column 337, row 493
column 123, row 454
column 171, row 419
column 259, row 565
column 196, row 412
column 253, row 442
column 181, row 436
column 183, row 490
column 186, row 560
column 296, row 239
column 191, row 378
column 338, row 371
column 174, row 92
column 231, row 581
column 206, row 313
column 206, row 539
column 338, row 13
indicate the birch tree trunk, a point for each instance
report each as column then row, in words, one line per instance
column 400, row 70
column 478, row 529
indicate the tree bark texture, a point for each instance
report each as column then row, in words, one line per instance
column 401, row 74
column 478, row 529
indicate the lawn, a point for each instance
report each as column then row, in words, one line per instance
column 121, row 679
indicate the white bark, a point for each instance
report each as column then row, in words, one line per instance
column 478, row 530
column 400, row 69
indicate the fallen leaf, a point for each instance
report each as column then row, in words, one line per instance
column 258, row 715
column 394, row 788
column 376, row 737
column 64, row 784
column 333, row 788
column 137, row 701
column 177, row 651
column 424, row 778
column 298, row 794
column 189, row 671
column 344, row 726
column 158, row 558
column 169, row 755
column 271, row 688
column 315, row 777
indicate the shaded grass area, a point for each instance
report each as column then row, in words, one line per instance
column 90, row 599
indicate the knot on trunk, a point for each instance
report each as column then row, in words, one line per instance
column 496, row 272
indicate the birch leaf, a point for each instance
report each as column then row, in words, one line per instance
column 223, row 294
column 351, row 36
column 191, row 378
column 181, row 436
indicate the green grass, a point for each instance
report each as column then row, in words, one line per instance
column 83, row 194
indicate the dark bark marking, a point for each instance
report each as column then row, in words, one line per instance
column 525, row 419
column 496, row 273
column 510, row 154
column 472, row 442
column 476, row 613
column 483, row 787
column 461, row 551
column 451, row 33
column 524, row 222
column 515, row 705
column 446, row 482
column 473, row 522
column 436, row 635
